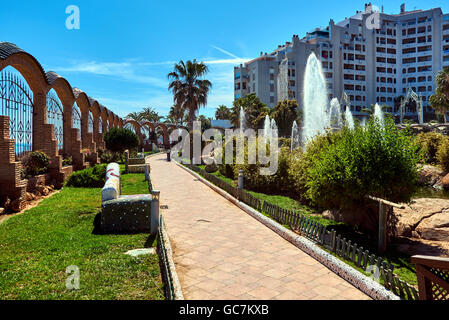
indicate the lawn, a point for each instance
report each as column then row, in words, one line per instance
column 401, row 262
column 37, row 246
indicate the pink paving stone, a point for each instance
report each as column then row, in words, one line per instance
column 204, row 252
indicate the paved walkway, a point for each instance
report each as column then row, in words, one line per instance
column 221, row 252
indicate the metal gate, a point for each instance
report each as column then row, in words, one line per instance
column 16, row 102
column 55, row 116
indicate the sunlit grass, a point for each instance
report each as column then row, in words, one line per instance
column 37, row 246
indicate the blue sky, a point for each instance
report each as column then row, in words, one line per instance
column 123, row 51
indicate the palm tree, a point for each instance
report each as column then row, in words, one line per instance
column 150, row 114
column 440, row 100
column 440, row 103
column 189, row 89
column 443, row 82
column 223, row 113
column 176, row 113
column 370, row 110
column 134, row 116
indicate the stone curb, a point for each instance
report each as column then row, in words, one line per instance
column 365, row 284
column 171, row 264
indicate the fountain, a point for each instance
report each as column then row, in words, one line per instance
column 363, row 122
column 349, row 119
column 315, row 100
column 411, row 95
column 266, row 128
column 242, row 121
column 295, row 137
column 273, row 129
column 335, row 120
column 345, row 101
column 378, row 113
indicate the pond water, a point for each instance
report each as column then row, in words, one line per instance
column 429, row 192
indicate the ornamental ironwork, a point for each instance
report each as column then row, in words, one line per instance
column 100, row 125
column 55, row 116
column 91, row 123
column 16, row 102
column 76, row 119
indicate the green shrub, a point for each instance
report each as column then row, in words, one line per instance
column 368, row 160
column 93, row 177
column 285, row 142
column 443, row 155
column 67, row 161
column 227, row 169
column 119, row 139
column 429, row 143
column 273, row 184
column 106, row 156
column 35, row 163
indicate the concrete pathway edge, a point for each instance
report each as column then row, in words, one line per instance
column 365, row 284
column 171, row 264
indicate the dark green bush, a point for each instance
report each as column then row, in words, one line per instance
column 119, row 139
column 35, row 163
column 93, row 177
column 285, row 142
column 443, row 155
column 300, row 161
column 429, row 143
column 368, row 160
column 67, row 161
column 277, row 183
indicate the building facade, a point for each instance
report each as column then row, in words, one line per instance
column 373, row 57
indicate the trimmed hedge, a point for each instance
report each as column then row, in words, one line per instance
column 88, row 178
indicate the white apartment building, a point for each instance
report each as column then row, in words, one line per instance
column 372, row 65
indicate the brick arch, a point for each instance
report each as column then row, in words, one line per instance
column 104, row 117
column 136, row 125
column 87, row 138
column 64, row 92
column 111, row 119
column 96, row 112
column 165, row 134
column 116, row 121
column 150, row 125
column 27, row 65
column 34, row 75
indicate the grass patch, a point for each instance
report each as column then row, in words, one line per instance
column 37, row 246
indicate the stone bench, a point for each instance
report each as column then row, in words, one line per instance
column 126, row 213
column 136, row 165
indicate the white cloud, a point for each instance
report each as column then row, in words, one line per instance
column 153, row 74
column 124, row 70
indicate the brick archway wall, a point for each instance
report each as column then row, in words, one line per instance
column 40, row 83
column 136, row 125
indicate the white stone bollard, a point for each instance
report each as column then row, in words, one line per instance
column 112, row 187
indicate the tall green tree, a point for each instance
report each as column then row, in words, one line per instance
column 189, row 89
column 439, row 103
column 255, row 111
column 370, row 110
column 205, row 122
column 177, row 114
column 223, row 113
column 284, row 113
column 134, row 116
column 150, row 114
column 440, row 100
